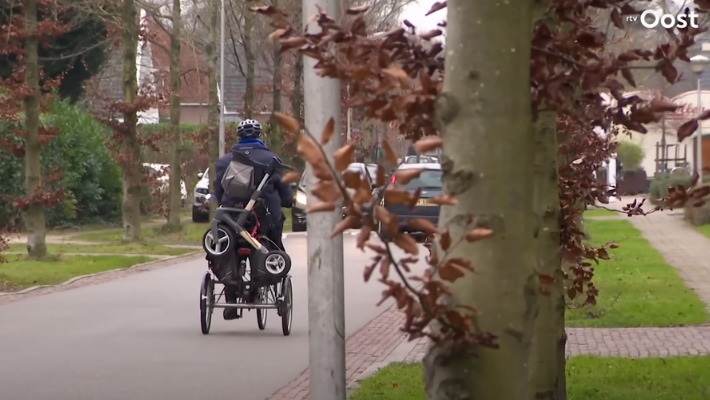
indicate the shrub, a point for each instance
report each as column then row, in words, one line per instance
column 630, row 154
column 89, row 176
column 658, row 187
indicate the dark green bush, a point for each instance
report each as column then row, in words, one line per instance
column 89, row 176
column 661, row 182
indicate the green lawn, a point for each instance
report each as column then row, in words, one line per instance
column 704, row 229
column 19, row 272
column 636, row 287
column 104, row 248
column 600, row 212
column 191, row 234
column 588, row 378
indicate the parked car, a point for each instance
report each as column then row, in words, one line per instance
column 202, row 188
column 164, row 178
column 431, row 186
column 298, row 212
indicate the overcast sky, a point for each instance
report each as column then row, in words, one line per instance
column 415, row 14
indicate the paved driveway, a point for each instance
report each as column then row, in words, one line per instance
column 139, row 338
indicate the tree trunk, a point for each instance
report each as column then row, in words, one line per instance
column 132, row 169
column 482, row 132
column 35, row 222
column 175, row 197
column 213, row 112
column 274, row 129
column 544, row 376
column 251, row 65
column 297, row 94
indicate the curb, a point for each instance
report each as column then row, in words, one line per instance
column 78, row 278
column 399, row 354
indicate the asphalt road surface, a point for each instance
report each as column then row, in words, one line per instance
column 139, row 338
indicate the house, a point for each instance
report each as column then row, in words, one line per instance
column 664, row 134
column 154, row 63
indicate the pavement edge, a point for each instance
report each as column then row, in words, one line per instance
column 399, row 354
column 78, row 278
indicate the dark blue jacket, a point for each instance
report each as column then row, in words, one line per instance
column 276, row 194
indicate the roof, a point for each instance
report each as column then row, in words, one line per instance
column 421, row 166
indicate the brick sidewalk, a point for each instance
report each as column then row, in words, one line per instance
column 622, row 342
column 371, row 344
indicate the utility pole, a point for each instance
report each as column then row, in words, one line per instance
column 326, row 289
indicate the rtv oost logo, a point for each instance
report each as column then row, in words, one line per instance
column 650, row 19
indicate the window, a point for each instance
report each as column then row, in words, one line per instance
column 429, row 179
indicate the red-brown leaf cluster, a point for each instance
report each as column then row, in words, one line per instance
column 396, row 78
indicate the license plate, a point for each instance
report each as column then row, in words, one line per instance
column 425, row 202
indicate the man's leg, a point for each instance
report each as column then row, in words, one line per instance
column 276, row 234
column 230, row 293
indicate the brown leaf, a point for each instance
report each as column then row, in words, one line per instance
column 308, row 149
column 389, row 153
column 326, row 191
column 399, row 74
column 397, row 196
column 423, row 225
column 404, row 176
column 478, row 234
column 342, row 226
column 388, row 220
column 357, row 10
column 444, row 200
column 351, row 179
column 278, row 33
column 439, row 5
column 661, row 105
column 381, row 250
column 687, row 129
column 368, row 272
column 328, row 130
column 704, row 115
column 629, row 76
column 290, row 176
column 406, row 243
column 428, row 144
column 616, row 18
column 320, row 207
column 385, row 268
column 445, row 241
column 344, row 156
column 364, row 236
column 292, row 43
column 288, row 123
column 694, row 179
column 380, row 180
column 450, row 272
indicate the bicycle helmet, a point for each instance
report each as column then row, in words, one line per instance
column 249, row 129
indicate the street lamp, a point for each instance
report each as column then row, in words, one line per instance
column 698, row 64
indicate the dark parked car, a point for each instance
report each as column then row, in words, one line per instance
column 298, row 212
column 431, row 186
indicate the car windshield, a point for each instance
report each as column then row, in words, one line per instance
column 429, row 179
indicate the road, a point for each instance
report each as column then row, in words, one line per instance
column 138, row 338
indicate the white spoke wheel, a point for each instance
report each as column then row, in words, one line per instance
column 220, row 246
column 261, row 313
column 287, row 306
column 206, row 303
column 277, row 263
